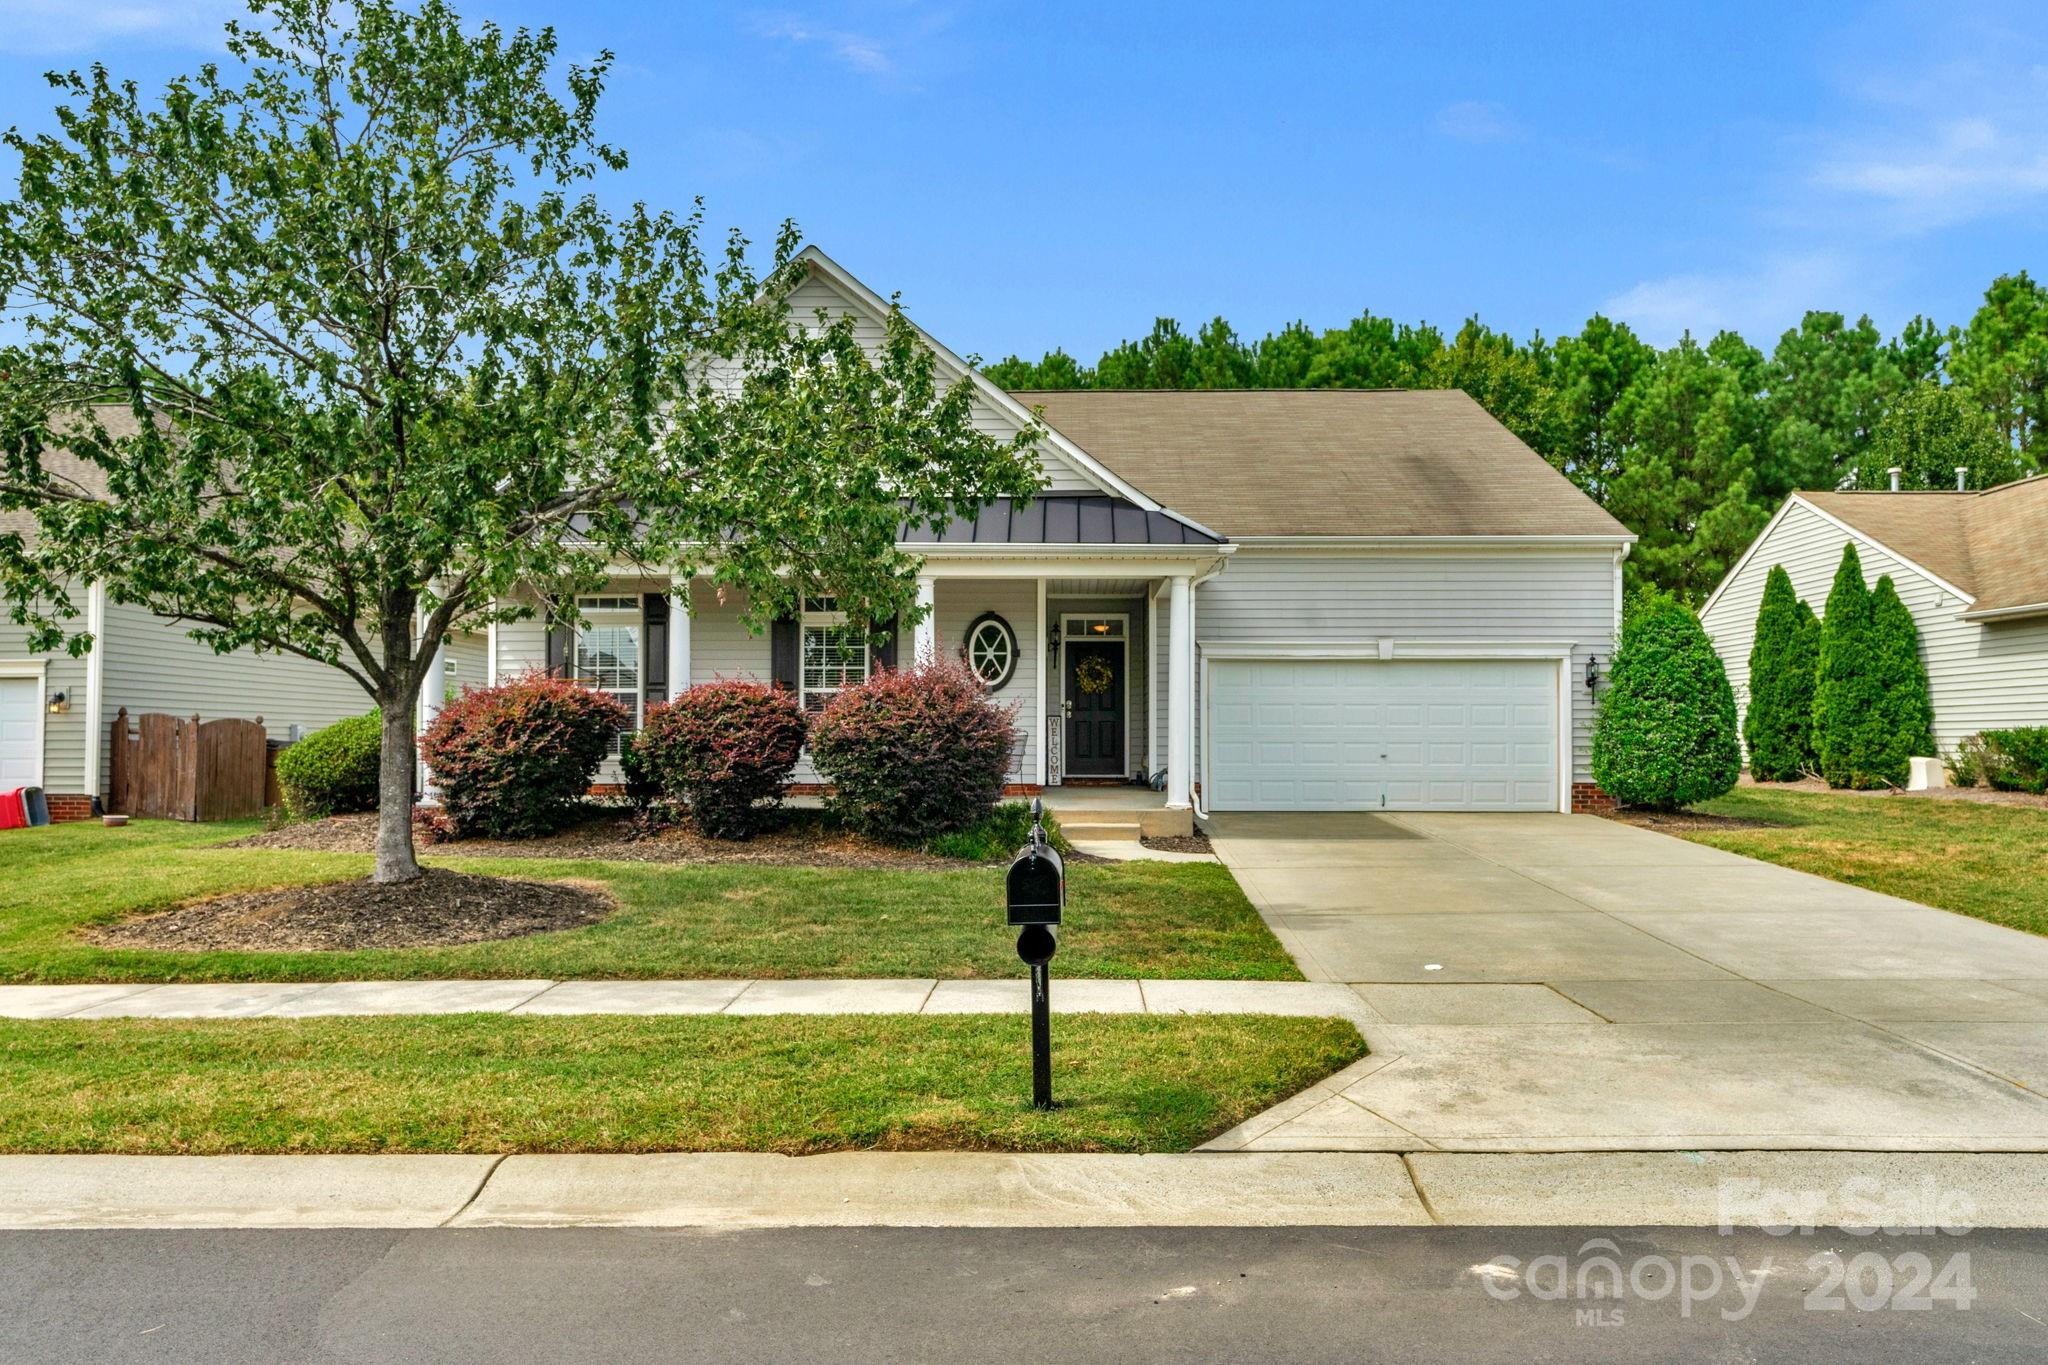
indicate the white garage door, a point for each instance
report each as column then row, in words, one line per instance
column 1342, row 734
column 20, row 763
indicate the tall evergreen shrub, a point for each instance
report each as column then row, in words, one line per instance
column 1778, row 727
column 1845, row 684
column 1666, row 735
column 1904, row 725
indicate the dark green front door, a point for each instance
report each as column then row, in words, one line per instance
column 1095, row 709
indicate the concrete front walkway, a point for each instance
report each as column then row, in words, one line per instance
column 301, row 1000
column 1565, row 983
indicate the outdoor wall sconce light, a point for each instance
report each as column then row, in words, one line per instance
column 60, row 702
column 1052, row 641
column 1593, row 674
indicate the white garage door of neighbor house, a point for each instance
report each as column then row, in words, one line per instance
column 20, row 764
column 1345, row 734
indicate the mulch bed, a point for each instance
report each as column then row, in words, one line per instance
column 1197, row 842
column 438, row 909
column 803, row 839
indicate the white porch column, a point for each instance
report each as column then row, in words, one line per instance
column 1180, row 694
column 678, row 635
column 1151, row 684
column 924, row 637
column 1043, row 666
column 433, row 692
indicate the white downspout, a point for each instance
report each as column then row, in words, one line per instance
column 1195, row 801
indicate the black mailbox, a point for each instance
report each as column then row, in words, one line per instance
column 1037, row 883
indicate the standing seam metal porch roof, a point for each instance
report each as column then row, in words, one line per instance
column 1061, row 519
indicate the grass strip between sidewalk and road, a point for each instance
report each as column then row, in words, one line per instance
column 612, row 1083
column 1978, row 859
column 1138, row 919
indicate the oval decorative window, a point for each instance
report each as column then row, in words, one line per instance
column 991, row 650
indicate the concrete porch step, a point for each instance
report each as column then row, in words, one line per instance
column 1101, row 829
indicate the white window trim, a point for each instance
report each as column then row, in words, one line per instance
column 1005, row 632
column 591, row 610
column 38, row 669
column 1123, row 641
column 806, row 619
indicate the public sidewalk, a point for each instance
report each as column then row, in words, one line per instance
column 306, row 999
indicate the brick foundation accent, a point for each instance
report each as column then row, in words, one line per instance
column 63, row 808
column 613, row 789
column 1588, row 799
column 820, row 789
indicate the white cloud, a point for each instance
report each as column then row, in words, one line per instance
column 1760, row 302
column 1945, row 140
column 53, row 27
column 1475, row 121
column 863, row 53
column 1953, row 172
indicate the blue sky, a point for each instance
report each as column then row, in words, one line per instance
column 1039, row 175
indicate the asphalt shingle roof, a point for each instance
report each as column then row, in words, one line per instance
column 1325, row 462
column 1992, row 544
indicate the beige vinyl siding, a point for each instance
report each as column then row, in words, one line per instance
column 815, row 293
column 1532, row 596
column 957, row 602
column 64, row 733
column 1979, row 676
column 721, row 646
column 152, row 664
column 470, row 653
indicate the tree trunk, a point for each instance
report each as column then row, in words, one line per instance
column 396, row 764
column 398, row 759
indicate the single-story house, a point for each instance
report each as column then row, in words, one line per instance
column 1257, row 600
column 1969, row 565
column 56, row 711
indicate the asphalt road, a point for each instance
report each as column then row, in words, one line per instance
column 1179, row 1294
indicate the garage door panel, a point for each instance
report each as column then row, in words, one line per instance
column 1393, row 735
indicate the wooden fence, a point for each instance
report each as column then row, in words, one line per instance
column 177, row 768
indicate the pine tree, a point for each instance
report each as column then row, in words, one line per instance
column 1778, row 726
column 1846, row 686
column 1904, row 724
column 1666, row 736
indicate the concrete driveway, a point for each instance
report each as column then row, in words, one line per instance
column 1555, row 982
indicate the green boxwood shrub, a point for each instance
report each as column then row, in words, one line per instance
column 725, row 750
column 512, row 761
column 333, row 771
column 2017, row 760
column 1778, row 726
column 914, row 754
column 1666, row 734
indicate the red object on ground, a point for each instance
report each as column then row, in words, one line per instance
column 13, row 810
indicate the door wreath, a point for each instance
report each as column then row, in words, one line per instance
column 1092, row 676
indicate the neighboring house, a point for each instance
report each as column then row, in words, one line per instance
column 1299, row 600
column 1972, row 567
column 56, row 711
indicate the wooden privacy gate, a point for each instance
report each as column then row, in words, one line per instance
column 176, row 768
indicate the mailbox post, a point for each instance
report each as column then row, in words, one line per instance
column 1037, row 894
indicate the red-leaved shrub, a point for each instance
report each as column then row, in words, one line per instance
column 723, row 748
column 914, row 754
column 512, row 760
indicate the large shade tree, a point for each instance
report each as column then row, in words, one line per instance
column 388, row 368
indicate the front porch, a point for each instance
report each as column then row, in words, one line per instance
column 1093, row 654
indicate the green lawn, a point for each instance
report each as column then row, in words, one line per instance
column 1123, row 920
column 477, row 1083
column 1977, row 859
